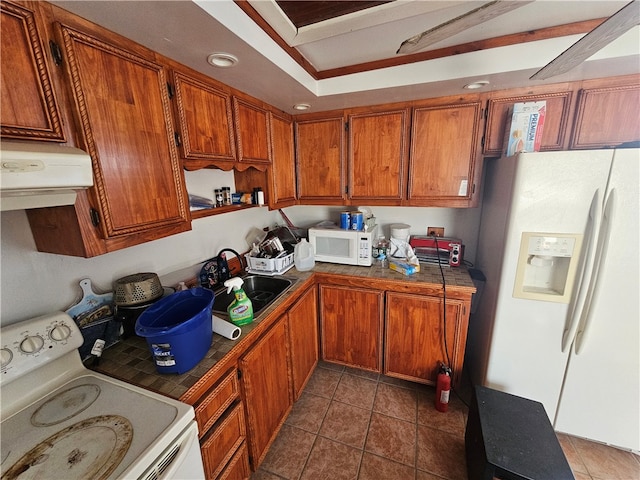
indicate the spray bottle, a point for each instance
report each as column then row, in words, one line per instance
column 240, row 310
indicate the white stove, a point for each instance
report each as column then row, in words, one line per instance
column 61, row 420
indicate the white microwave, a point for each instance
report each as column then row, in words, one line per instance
column 337, row 245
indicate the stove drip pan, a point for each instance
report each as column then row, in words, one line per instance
column 65, row 405
column 91, row 448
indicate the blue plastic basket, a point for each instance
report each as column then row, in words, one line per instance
column 178, row 329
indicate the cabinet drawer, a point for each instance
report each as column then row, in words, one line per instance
column 224, row 439
column 238, row 467
column 209, row 410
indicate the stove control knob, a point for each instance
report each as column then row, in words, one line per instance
column 32, row 344
column 60, row 332
column 6, row 356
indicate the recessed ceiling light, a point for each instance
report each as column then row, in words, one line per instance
column 302, row 106
column 476, row 85
column 223, row 60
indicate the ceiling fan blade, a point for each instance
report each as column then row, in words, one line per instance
column 458, row 24
column 596, row 39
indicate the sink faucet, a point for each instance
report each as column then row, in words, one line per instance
column 223, row 267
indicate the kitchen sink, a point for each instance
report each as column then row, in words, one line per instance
column 261, row 290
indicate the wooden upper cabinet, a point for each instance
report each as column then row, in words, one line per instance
column 320, row 150
column 28, row 103
column 415, row 337
column 606, row 117
column 252, row 134
column 205, row 123
column 351, row 322
column 123, row 121
column 444, row 152
column 556, row 119
column 283, row 167
column 378, row 147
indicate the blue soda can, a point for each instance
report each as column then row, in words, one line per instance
column 345, row 220
column 357, row 221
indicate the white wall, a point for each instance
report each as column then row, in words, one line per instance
column 459, row 223
column 34, row 283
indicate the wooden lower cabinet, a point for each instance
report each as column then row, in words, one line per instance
column 415, row 343
column 238, row 466
column 216, row 401
column 220, row 445
column 221, row 426
column 303, row 339
column 266, row 386
column 351, row 326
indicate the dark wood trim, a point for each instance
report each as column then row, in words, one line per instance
column 504, row 40
column 292, row 52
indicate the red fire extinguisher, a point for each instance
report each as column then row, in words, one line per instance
column 443, row 388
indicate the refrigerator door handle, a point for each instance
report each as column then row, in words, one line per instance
column 601, row 253
column 584, row 267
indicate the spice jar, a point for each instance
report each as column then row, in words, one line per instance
column 218, row 196
column 226, row 195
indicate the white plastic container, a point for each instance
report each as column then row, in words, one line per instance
column 303, row 256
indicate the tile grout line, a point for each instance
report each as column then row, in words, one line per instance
column 317, row 434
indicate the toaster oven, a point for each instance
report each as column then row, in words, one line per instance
column 438, row 250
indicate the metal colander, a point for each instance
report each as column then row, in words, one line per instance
column 137, row 289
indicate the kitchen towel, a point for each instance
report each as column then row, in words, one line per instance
column 226, row 329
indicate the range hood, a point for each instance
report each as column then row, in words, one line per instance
column 35, row 175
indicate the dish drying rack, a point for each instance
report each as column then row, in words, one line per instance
column 270, row 266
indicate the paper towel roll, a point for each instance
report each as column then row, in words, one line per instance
column 226, row 329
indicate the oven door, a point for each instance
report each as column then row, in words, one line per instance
column 181, row 459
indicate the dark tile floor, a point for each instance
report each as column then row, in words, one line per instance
column 352, row 424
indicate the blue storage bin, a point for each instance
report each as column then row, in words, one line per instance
column 178, row 329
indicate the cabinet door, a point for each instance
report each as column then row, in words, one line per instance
column 303, row 338
column 252, row 132
column 28, row 103
column 415, row 339
column 378, row 144
column 555, row 121
column 267, row 389
column 205, row 122
column 125, row 124
column 320, row 160
column 606, row 117
column 444, row 151
column 283, row 167
column 351, row 326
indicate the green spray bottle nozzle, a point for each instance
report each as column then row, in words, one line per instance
column 234, row 284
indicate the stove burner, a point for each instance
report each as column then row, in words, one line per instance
column 65, row 405
column 90, row 449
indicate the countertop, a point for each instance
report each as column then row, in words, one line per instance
column 130, row 359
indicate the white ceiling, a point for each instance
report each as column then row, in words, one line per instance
column 188, row 31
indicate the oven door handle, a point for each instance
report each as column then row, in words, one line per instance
column 183, row 458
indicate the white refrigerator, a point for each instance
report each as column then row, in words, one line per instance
column 558, row 321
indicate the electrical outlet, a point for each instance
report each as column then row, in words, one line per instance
column 437, row 231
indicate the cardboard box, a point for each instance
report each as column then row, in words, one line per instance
column 524, row 132
column 403, row 267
